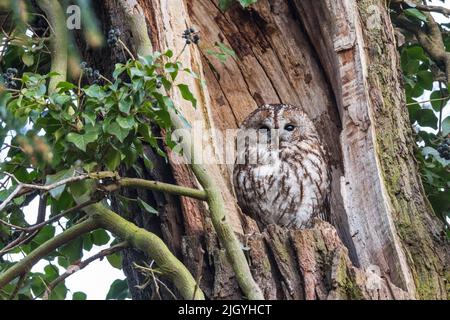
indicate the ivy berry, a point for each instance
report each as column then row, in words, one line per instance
column 191, row 36
column 8, row 78
column 444, row 149
column 93, row 75
column 113, row 37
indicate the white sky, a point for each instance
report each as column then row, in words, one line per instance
column 96, row 278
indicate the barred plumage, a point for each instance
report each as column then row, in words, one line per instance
column 286, row 183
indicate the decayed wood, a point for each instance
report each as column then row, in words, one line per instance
column 315, row 265
column 312, row 54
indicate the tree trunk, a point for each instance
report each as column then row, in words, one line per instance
column 338, row 60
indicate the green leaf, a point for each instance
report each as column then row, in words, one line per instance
column 87, row 242
column 116, row 130
column 59, row 292
column 51, row 272
column 90, row 117
column 416, row 52
column 147, row 207
column 438, row 102
column 65, row 86
column 446, row 126
column 115, row 260
column 61, row 175
column 246, row 3
column 425, row 79
column 28, row 59
column 427, row 118
column 125, row 122
column 95, row 91
column 414, row 13
column 79, row 296
column 82, row 140
column 44, row 235
column 73, row 250
column 119, row 69
column 100, row 237
column 125, row 104
column 187, row 94
column 118, row 290
column 113, row 159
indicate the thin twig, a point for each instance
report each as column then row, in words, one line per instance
column 30, row 187
column 126, row 49
column 81, row 265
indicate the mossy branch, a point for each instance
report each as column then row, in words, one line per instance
column 151, row 245
column 148, row 184
column 134, row 13
column 45, row 249
column 58, row 41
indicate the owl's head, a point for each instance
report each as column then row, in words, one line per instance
column 290, row 123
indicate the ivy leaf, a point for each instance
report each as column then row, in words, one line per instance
column 125, row 104
column 116, row 130
column 147, row 207
column 427, row 118
column 118, row 290
column 44, row 235
column 446, row 126
column 79, row 296
column 115, row 260
column 95, row 91
column 73, row 250
column 414, row 13
column 100, row 237
column 119, row 69
column 246, row 3
column 438, row 99
column 28, row 59
column 113, row 159
column 61, row 175
column 82, row 140
column 65, row 86
column 187, row 94
column 126, row 122
column 425, row 79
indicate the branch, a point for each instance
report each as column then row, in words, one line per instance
column 45, row 249
column 135, row 14
column 164, row 187
column 430, row 38
column 25, row 186
column 151, row 245
column 58, row 45
column 146, row 184
column 422, row 7
column 36, row 227
column 81, row 265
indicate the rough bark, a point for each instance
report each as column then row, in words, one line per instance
column 322, row 56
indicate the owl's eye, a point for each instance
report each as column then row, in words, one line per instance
column 289, row 127
column 264, row 127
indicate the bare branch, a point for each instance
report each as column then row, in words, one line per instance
column 81, row 265
column 22, row 186
column 37, row 254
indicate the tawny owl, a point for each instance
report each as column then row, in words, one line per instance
column 281, row 173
